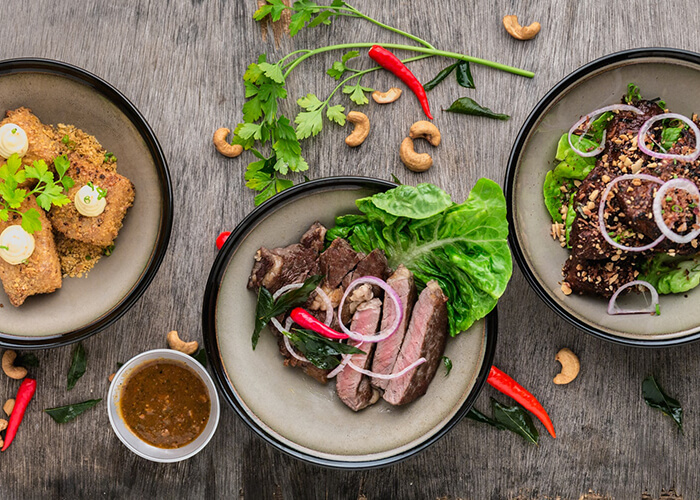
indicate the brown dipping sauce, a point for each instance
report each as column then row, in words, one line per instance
column 165, row 404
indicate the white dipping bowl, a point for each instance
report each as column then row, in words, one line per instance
column 133, row 442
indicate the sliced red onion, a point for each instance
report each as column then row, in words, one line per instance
column 641, row 138
column 287, row 343
column 324, row 297
column 686, row 185
column 592, row 116
column 391, row 293
column 603, row 203
column 384, row 376
column 651, row 308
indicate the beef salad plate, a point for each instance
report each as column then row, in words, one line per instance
column 618, row 195
column 334, row 311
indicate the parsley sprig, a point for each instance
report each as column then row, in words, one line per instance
column 263, row 124
column 48, row 191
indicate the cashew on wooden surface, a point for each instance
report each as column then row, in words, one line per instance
column 570, row 366
column 424, row 129
column 416, row 162
column 361, row 131
column 223, row 146
column 12, row 371
column 520, row 32
column 177, row 344
column 8, row 407
column 3, row 424
column 386, row 97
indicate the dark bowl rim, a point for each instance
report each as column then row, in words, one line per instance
column 528, row 125
column 211, row 346
column 66, row 70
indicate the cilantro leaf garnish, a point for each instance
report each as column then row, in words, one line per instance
column 357, row 93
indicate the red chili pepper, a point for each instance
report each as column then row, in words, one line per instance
column 24, row 395
column 305, row 319
column 390, row 62
column 221, row 239
column 505, row 384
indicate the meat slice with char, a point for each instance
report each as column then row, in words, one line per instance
column 387, row 350
column 338, row 260
column 354, row 388
column 373, row 264
column 425, row 337
column 278, row 267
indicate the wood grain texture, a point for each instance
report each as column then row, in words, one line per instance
column 181, row 62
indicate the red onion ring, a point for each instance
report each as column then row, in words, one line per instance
column 612, row 306
column 383, row 376
column 384, row 334
column 324, row 297
column 287, row 343
column 641, row 142
column 343, row 363
column 686, row 185
column 603, row 203
column 591, row 116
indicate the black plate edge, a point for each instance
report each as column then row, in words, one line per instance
column 551, row 95
column 212, row 349
column 31, row 64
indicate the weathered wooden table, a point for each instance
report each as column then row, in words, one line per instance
column 181, row 64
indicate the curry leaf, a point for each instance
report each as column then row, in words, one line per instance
column 655, row 397
column 201, row 356
column 444, row 73
column 515, row 419
column 63, row 414
column 78, row 365
column 27, row 360
column 468, row 106
column 448, row 365
column 322, row 352
column 464, row 75
column 477, row 416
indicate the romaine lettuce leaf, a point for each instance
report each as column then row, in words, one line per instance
column 463, row 247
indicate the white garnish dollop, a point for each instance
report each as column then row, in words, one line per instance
column 89, row 201
column 16, row 245
column 13, row 139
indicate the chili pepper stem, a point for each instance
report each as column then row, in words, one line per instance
column 412, row 48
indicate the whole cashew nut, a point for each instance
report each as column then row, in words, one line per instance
column 424, row 129
column 361, row 131
column 12, row 371
column 386, row 97
column 520, row 32
column 8, row 406
column 570, row 366
column 223, row 146
column 177, row 344
column 416, row 162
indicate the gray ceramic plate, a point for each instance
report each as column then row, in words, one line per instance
column 289, row 409
column 60, row 93
column 670, row 74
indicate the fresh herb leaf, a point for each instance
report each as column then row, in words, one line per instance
column 31, row 221
column 267, row 308
column 336, row 114
column 273, row 8
column 468, row 106
column 4, row 247
column 464, row 75
column 357, row 93
column 476, row 415
column 27, row 360
column 110, row 157
column 633, row 94
column 444, row 73
column 201, row 356
column 322, row 352
column 655, row 397
column 108, row 250
column 396, row 180
column 339, row 67
column 672, row 274
column 308, row 123
column 515, row 419
column 64, row 414
column 447, row 362
column 78, row 365
column 66, row 140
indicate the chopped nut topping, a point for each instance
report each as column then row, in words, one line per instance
column 565, row 288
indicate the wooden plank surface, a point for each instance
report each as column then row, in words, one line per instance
column 181, row 64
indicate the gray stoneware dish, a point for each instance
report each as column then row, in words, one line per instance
column 670, row 74
column 290, row 410
column 60, row 93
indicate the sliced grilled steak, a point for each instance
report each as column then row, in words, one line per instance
column 387, row 351
column 354, row 388
column 374, row 264
column 278, row 267
column 426, row 337
column 600, row 277
column 338, row 260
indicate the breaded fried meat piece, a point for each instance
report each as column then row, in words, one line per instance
column 41, row 272
column 103, row 229
column 43, row 144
